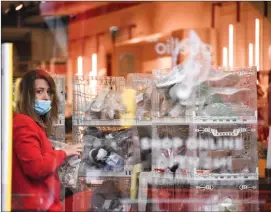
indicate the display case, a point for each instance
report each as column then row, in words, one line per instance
column 97, row 100
column 143, row 85
column 109, row 151
column 227, row 96
column 207, row 134
column 225, row 148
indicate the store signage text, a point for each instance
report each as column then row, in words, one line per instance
column 193, row 145
column 167, row 47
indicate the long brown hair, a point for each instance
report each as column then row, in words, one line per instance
column 26, row 99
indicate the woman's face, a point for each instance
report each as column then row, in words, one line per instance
column 42, row 90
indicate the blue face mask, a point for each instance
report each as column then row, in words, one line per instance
column 42, row 106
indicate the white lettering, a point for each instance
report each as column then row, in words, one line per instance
column 168, row 47
column 177, row 142
column 192, row 144
column 145, row 144
column 203, row 144
column 193, row 162
column 219, row 163
column 207, row 163
column 229, row 143
column 167, row 143
column 239, row 144
column 160, row 48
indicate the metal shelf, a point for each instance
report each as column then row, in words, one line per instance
column 168, row 121
column 172, row 121
column 167, row 178
column 224, row 119
column 226, row 177
column 93, row 122
column 96, row 173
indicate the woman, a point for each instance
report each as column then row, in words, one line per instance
column 35, row 182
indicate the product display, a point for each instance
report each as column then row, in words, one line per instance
column 191, row 145
column 106, row 106
column 142, row 84
column 109, row 151
column 170, row 143
column 211, row 97
column 234, row 143
column 99, row 98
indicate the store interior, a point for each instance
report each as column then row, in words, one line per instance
column 127, row 47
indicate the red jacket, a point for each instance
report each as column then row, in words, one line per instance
column 35, row 182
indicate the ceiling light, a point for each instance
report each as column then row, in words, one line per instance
column 20, row 6
column 94, row 64
column 7, row 10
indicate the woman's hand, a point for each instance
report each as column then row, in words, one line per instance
column 73, row 150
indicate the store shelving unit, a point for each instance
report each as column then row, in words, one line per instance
column 240, row 122
column 212, row 127
column 87, row 90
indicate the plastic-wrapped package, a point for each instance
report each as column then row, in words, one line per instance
column 98, row 98
column 68, row 171
column 113, row 106
column 109, row 151
column 235, row 97
column 142, row 84
column 223, row 93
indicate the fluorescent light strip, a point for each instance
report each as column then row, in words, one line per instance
column 250, row 54
column 231, row 46
column 257, row 43
column 225, row 57
column 80, row 66
column 94, row 64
